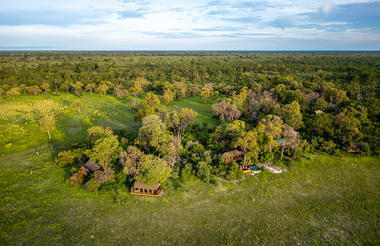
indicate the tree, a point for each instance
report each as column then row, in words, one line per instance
column 152, row 133
column 144, row 112
column 90, row 87
column 208, row 86
column 179, row 121
column 180, row 89
column 349, row 124
column 78, row 106
column 269, row 130
column 97, row 132
column 65, row 86
column 46, row 87
column 65, row 158
column 120, row 91
column 170, row 150
column 260, row 104
column 151, row 100
column 291, row 137
column 168, row 96
column 142, row 82
column 214, row 95
column 154, row 170
column 205, row 94
column 241, row 99
column 334, row 95
column 78, row 88
column 13, row 92
column 47, row 123
column 102, row 89
column 1, row 92
column 226, row 110
column 227, row 134
column 130, row 160
column 104, row 150
column 291, row 114
column 149, row 105
column 135, row 90
column 35, row 90
column 322, row 124
column 247, row 142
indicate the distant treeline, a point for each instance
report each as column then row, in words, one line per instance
column 229, row 68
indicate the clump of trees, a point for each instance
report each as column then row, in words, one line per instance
column 270, row 106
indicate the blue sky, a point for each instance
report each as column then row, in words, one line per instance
column 190, row 25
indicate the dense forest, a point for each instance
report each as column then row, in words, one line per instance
column 270, row 107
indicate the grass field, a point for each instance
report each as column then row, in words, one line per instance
column 19, row 129
column 320, row 201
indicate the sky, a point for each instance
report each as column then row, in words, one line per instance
column 190, row 25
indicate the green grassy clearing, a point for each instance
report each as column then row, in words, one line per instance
column 320, row 201
column 19, row 131
column 197, row 104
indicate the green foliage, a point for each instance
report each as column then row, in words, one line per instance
column 92, row 185
column 153, row 133
column 65, row 158
column 266, row 157
column 179, row 121
column 248, row 143
column 13, row 92
column 168, row 96
column 291, row 114
column 104, row 150
column 227, row 134
column 102, row 89
column 154, row 170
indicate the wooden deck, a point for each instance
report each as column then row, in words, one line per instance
column 146, row 192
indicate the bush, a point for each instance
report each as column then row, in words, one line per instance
column 65, row 158
column 92, row 185
column 204, row 171
column 234, row 172
column 266, row 157
column 79, row 177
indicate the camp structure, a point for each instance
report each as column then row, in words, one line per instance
column 281, row 141
column 91, row 166
column 234, row 155
column 318, row 112
column 246, row 167
column 357, row 147
column 142, row 189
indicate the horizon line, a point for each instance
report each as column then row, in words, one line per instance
column 183, row 50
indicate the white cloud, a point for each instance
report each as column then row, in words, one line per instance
column 113, row 24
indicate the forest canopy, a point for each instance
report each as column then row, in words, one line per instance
column 269, row 106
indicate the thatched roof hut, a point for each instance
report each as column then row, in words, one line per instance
column 142, row 189
column 234, row 155
column 92, row 166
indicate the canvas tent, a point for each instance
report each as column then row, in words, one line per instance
column 234, row 155
column 92, row 166
column 142, row 189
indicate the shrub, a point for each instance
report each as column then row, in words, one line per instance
column 79, row 177
column 92, row 185
column 65, row 158
column 266, row 157
column 204, row 171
